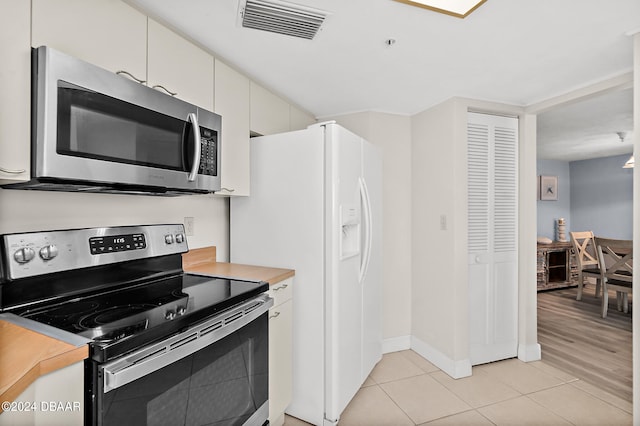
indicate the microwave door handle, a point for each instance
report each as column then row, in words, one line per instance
column 193, row 119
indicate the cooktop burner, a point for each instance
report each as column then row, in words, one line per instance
column 109, row 315
column 115, row 308
column 125, row 318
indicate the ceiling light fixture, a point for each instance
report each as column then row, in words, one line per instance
column 630, row 162
column 457, row 8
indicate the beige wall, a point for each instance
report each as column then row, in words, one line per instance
column 440, row 309
column 439, row 291
column 392, row 133
column 22, row 211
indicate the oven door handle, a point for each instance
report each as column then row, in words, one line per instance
column 156, row 356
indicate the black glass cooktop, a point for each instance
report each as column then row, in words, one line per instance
column 126, row 318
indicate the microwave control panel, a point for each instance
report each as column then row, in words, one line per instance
column 208, row 152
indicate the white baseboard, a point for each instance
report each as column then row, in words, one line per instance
column 455, row 369
column 528, row 353
column 395, row 344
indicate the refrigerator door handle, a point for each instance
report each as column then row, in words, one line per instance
column 366, row 250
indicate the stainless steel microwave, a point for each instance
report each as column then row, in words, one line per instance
column 96, row 131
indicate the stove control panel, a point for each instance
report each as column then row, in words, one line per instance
column 37, row 253
column 114, row 243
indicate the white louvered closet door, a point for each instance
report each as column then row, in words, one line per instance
column 492, row 149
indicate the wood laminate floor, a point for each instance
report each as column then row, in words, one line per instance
column 575, row 338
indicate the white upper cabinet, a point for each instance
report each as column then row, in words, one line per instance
column 106, row 33
column 15, row 83
column 299, row 119
column 178, row 67
column 269, row 113
column 233, row 103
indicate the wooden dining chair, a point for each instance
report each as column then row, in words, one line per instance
column 616, row 264
column 587, row 259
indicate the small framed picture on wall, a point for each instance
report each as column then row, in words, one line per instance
column 548, row 188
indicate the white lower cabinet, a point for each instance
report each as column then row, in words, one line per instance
column 280, row 350
column 55, row 399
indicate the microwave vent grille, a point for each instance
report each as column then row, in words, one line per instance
column 282, row 18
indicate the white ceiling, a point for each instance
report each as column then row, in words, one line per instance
column 587, row 129
column 514, row 51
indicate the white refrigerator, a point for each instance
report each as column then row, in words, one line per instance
column 316, row 207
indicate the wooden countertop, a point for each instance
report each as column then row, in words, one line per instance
column 26, row 355
column 203, row 261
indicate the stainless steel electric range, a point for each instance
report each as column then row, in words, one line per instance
column 166, row 347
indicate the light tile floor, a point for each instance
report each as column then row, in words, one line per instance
column 406, row 389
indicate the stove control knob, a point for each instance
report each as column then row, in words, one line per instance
column 181, row 310
column 168, row 239
column 48, row 252
column 169, row 315
column 179, row 238
column 24, row 255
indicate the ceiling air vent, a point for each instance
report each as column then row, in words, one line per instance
column 281, row 17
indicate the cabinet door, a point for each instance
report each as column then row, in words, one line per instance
column 15, row 86
column 280, row 359
column 269, row 113
column 180, row 67
column 298, row 119
column 232, row 95
column 106, row 33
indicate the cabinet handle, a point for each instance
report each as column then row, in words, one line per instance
column 275, row 315
column 227, row 189
column 11, row 171
column 157, row 86
column 283, row 286
column 127, row 73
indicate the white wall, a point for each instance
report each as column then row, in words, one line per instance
column 440, row 329
column 392, row 133
column 439, row 291
column 23, row 211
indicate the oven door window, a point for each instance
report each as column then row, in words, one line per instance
column 93, row 125
column 224, row 383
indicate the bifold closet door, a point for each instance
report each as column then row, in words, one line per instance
column 492, row 148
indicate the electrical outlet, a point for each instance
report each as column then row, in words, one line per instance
column 189, row 225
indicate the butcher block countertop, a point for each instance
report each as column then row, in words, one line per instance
column 26, row 355
column 203, row 261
